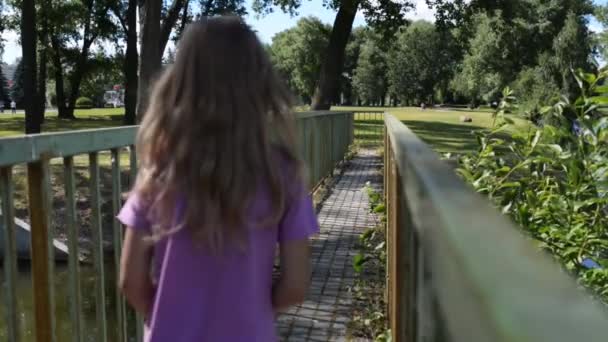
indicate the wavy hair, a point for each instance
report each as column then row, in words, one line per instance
column 219, row 126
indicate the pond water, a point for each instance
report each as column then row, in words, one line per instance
column 63, row 296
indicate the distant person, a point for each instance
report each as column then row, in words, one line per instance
column 220, row 185
column 1, row 107
column 423, row 106
column 13, row 107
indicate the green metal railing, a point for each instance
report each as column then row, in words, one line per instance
column 458, row 270
column 324, row 138
column 369, row 127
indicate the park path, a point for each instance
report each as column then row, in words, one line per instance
column 344, row 215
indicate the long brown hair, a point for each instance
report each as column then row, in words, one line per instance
column 217, row 118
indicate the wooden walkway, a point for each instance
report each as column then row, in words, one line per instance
column 343, row 217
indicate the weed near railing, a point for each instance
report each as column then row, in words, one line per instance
column 370, row 316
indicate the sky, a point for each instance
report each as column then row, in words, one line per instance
column 269, row 25
column 266, row 26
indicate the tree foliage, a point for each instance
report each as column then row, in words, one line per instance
column 297, row 54
column 480, row 75
column 510, row 37
column 351, row 59
column 385, row 16
column 370, row 77
column 16, row 91
column 4, row 93
column 419, row 60
column 601, row 38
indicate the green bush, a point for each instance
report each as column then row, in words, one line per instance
column 553, row 181
column 84, row 103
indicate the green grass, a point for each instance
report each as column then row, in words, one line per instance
column 440, row 128
column 14, row 124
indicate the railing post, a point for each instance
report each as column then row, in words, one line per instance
column 42, row 262
column 73, row 257
column 10, row 255
column 400, row 248
column 392, row 238
column 100, row 294
column 133, row 169
column 117, row 229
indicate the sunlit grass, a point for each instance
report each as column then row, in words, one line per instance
column 440, row 128
column 14, row 124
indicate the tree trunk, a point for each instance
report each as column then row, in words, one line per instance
column 28, row 49
column 76, row 79
column 131, row 65
column 329, row 79
column 42, row 81
column 150, row 58
column 169, row 23
column 42, row 63
column 59, row 86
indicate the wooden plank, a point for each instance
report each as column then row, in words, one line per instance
column 407, row 276
column 394, row 319
column 30, row 148
column 132, row 164
column 100, row 296
column 42, row 264
column 307, row 115
column 10, row 255
column 139, row 322
column 74, row 253
column 118, row 235
column 50, row 145
column 315, row 157
column 483, row 293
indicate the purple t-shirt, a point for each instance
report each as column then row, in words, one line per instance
column 202, row 297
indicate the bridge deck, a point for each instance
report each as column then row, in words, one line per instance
column 343, row 217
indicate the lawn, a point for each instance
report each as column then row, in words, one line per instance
column 440, row 128
column 13, row 124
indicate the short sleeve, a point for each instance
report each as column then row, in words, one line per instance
column 299, row 220
column 134, row 214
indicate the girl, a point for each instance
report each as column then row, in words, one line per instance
column 219, row 186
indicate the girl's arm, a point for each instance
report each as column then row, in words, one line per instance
column 134, row 281
column 295, row 274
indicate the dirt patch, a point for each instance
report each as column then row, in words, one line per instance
column 82, row 203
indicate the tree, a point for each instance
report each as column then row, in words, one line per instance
column 28, row 50
column 482, row 72
column 370, row 77
column 151, row 56
column 382, row 15
column 74, row 27
column 601, row 38
column 572, row 50
column 503, row 39
column 126, row 12
column 4, row 94
column 104, row 72
column 297, row 54
column 420, row 60
column 16, row 91
column 351, row 59
column 156, row 25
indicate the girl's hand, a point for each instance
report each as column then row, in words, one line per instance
column 295, row 275
column 134, row 280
